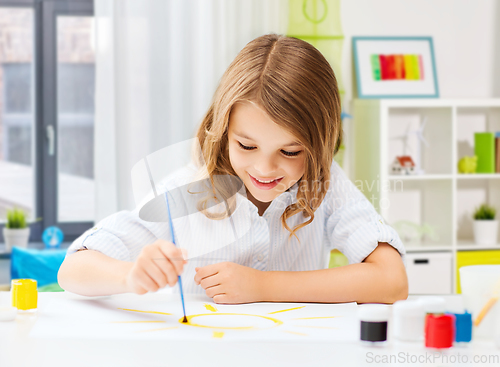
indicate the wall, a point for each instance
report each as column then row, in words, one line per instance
column 496, row 61
column 464, row 39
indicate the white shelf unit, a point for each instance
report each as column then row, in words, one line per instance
column 440, row 197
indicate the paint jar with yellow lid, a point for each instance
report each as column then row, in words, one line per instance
column 24, row 295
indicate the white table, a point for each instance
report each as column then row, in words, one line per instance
column 17, row 349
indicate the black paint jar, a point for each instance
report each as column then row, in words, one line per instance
column 373, row 323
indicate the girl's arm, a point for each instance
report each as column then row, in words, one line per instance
column 91, row 273
column 380, row 278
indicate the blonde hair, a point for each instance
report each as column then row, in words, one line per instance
column 296, row 86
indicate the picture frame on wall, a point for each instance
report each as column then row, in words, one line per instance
column 395, row 67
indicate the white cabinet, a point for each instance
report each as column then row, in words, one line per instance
column 429, row 272
column 432, row 211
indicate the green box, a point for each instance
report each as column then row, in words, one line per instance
column 484, row 149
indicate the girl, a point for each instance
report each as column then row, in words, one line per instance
column 275, row 123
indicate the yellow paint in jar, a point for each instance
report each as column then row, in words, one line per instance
column 24, row 294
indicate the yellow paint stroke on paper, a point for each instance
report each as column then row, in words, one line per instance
column 210, row 307
column 163, row 328
column 218, row 334
column 135, row 322
column 190, row 317
column 155, row 312
column 317, row 327
column 288, row 309
column 311, row 318
column 294, row 332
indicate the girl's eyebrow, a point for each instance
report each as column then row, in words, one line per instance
column 294, row 144
column 242, row 136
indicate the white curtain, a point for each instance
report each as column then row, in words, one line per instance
column 158, row 63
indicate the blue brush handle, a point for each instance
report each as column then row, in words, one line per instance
column 173, row 241
column 182, row 294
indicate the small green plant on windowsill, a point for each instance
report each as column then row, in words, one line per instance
column 16, row 219
column 16, row 231
column 485, row 225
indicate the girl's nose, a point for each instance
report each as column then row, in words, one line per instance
column 266, row 167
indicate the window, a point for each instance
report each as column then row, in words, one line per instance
column 75, row 119
column 17, row 116
column 17, row 186
column 47, row 113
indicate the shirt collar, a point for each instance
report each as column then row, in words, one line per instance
column 281, row 202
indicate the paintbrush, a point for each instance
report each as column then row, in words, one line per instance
column 173, row 240
column 491, row 302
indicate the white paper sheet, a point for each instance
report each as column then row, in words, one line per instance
column 118, row 317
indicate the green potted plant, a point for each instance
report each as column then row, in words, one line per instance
column 16, row 231
column 485, row 225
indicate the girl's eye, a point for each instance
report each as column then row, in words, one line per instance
column 291, row 154
column 288, row 154
column 245, row 147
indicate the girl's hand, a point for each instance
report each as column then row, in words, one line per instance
column 229, row 282
column 158, row 264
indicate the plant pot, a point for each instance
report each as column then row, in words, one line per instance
column 16, row 237
column 485, row 232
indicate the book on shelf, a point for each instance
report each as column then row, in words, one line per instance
column 484, row 149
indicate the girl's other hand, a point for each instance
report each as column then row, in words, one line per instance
column 228, row 282
column 158, row 264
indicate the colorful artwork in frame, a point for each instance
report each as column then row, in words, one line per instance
column 395, row 67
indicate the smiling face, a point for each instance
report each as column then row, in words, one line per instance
column 266, row 157
column 292, row 82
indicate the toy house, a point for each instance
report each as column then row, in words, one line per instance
column 403, row 165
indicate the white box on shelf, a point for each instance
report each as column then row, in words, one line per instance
column 429, row 272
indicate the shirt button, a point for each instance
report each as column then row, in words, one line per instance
column 260, row 257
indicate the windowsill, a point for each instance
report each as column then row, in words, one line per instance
column 32, row 245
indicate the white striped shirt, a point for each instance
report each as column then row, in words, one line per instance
column 345, row 220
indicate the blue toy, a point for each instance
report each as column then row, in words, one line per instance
column 52, row 237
